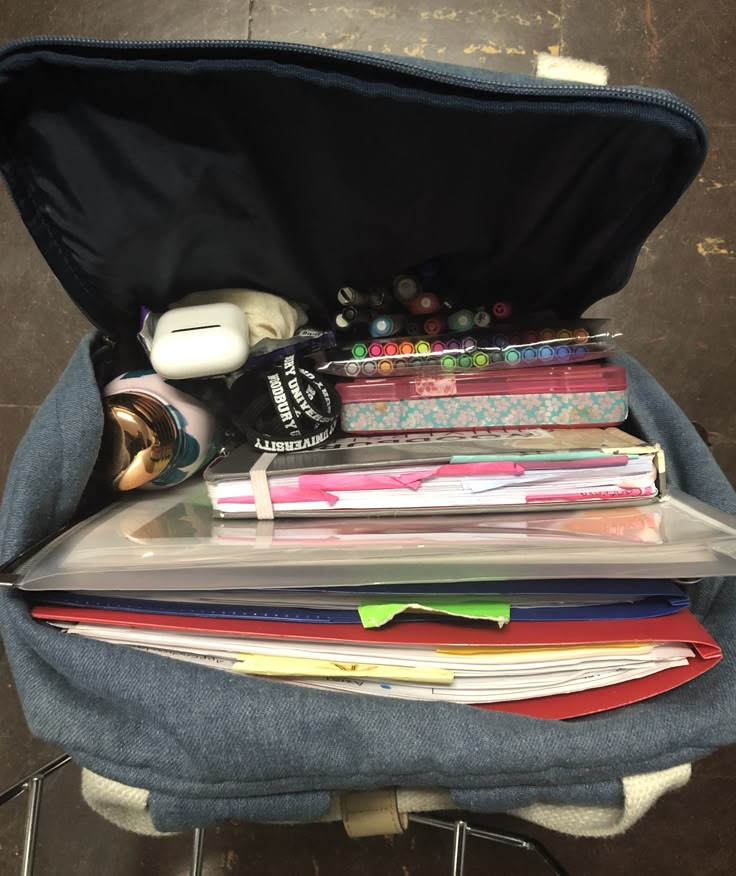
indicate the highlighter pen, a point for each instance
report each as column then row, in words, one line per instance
column 406, row 348
column 528, row 354
column 500, row 341
column 390, row 348
column 563, row 353
column 448, row 363
column 581, row 335
column 405, row 287
column 423, row 348
column 385, row 326
column 465, row 361
column 414, row 328
column 385, row 367
column 580, row 352
column 375, row 349
column 438, row 347
column 434, row 325
column 359, row 351
column 469, row 344
column 480, row 359
column 546, row 353
column 512, row 356
column 564, row 335
column 453, row 345
column 347, row 295
column 496, row 357
column 369, row 368
column 352, row 369
column 461, row 320
column 547, row 335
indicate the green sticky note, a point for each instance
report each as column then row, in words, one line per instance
column 376, row 614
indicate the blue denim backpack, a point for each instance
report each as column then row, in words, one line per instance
column 147, row 171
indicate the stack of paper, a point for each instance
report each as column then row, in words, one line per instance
column 552, row 670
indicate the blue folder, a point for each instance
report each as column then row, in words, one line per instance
column 654, row 598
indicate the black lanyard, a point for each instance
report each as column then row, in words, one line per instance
column 284, row 409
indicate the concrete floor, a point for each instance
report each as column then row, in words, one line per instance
column 677, row 315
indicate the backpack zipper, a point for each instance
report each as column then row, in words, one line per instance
column 635, row 93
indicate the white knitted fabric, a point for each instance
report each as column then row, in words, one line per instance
column 127, row 807
column 640, row 794
column 123, row 805
column 268, row 316
column 570, row 69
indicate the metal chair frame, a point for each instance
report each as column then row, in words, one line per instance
column 33, row 785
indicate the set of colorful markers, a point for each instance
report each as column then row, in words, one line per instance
column 427, row 314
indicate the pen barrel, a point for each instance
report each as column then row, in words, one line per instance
column 423, row 303
column 406, row 287
column 348, row 296
column 461, row 320
column 482, row 318
column 385, row 326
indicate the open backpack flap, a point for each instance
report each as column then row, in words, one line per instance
column 148, row 171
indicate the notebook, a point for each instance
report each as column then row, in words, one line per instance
column 439, row 474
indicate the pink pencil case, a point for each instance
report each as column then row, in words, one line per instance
column 578, row 395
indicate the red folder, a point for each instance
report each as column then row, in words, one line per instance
column 679, row 627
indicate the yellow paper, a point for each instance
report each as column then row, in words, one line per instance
column 262, row 664
column 512, row 651
column 521, row 649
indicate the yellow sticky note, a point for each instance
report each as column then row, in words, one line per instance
column 306, row 667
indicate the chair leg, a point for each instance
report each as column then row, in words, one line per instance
column 461, row 831
column 459, row 839
column 197, row 852
column 35, row 790
column 33, row 785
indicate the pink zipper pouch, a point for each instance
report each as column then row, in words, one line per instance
column 577, row 395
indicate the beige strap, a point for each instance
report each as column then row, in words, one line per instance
column 264, row 534
column 372, row 813
column 641, row 792
column 259, row 482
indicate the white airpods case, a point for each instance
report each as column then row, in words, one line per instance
column 204, row 340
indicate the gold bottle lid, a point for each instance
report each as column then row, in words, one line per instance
column 139, row 439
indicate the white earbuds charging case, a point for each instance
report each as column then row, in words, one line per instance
column 204, row 340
